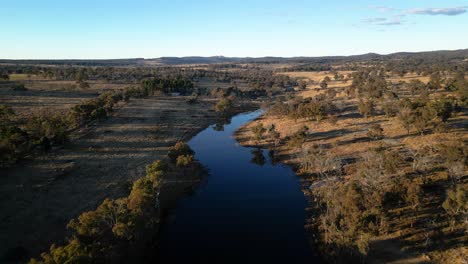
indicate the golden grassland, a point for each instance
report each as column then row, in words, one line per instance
column 347, row 138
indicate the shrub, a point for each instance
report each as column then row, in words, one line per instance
column 456, row 202
column 366, row 108
column 406, row 118
column 179, row 149
column 298, row 138
column 324, row 84
column 390, row 108
column 73, row 252
column 316, row 159
column 94, row 109
column 454, row 155
column 83, row 85
column 274, row 135
column 375, row 132
column 224, row 106
column 102, row 235
column 279, row 109
column 19, row 87
column 47, row 125
column 13, row 140
column 184, row 160
column 258, row 131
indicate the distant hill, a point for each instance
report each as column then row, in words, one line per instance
column 431, row 55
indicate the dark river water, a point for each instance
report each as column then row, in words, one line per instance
column 247, row 210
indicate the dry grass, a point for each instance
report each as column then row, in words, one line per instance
column 348, row 139
column 52, row 189
column 408, row 77
column 25, row 77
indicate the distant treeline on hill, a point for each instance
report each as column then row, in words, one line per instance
column 429, row 55
column 84, row 62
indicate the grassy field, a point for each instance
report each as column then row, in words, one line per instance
column 101, row 163
column 347, row 139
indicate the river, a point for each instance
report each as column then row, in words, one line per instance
column 247, row 210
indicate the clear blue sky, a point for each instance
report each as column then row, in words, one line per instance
column 59, row 29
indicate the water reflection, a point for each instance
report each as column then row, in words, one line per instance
column 219, row 126
column 258, row 157
column 247, row 210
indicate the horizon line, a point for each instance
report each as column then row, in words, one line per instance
column 236, row 57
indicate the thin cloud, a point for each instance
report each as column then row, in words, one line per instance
column 383, row 8
column 399, row 14
column 390, row 23
column 382, row 21
column 371, row 20
column 450, row 11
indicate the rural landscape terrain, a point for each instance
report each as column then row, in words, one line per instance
column 94, row 153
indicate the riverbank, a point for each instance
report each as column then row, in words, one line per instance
column 40, row 197
column 248, row 210
column 382, row 249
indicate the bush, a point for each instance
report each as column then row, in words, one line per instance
column 274, row 135
column 94, row 109
column 103, row 235
column 456, row 202
column 13, row 140
column 180, row 149
column 224, row 106
column 375, row 132
column 184, row 160
column 47, row 125
column 83, row 85
column 366, row 108
column 258, row 131
column 454, row 156
column 298, row 138
column 19, row 87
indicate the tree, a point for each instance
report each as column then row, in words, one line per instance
column 456, row 204
column 435, row 81
column 184, row 160
column 442, row 108
column 416, row 87
column 336, row 76
column 83, row 85
column 456, row 201
column 405, row 116
column 224, row 106
column 274, row 135
column 331, row 93
column 366, row 108
column 298, row 138
column 375, row 132
column 390, row 108
column 5, row 76
column 258, row 131
column 179, row 149
column 45, row 124
column 454, row 155
column 324, row 84
column 317, row 159
column 302, row 84
column 413, row 194
column 13, row 140
column 81, row 76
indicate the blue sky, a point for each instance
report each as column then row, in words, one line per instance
column 98, row 29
